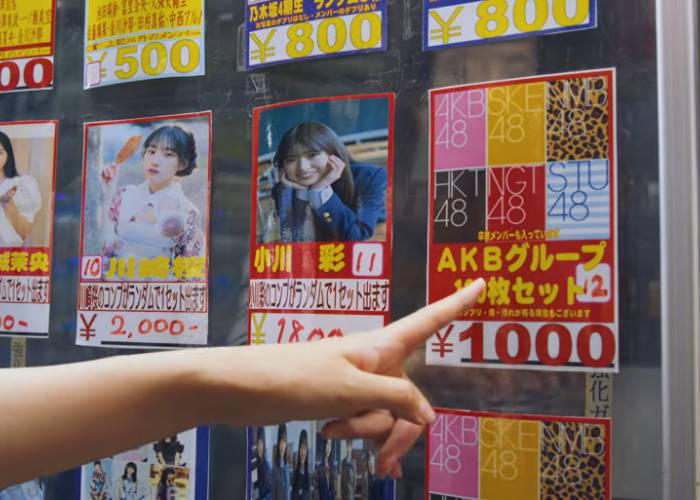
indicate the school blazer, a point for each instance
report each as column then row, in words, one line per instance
column 334, row 221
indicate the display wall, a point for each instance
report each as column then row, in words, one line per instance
column 623, row 39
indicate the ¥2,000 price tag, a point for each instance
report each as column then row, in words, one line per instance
column 324, row 37
column 146, row 329
column 448, row 23
column 523, row 345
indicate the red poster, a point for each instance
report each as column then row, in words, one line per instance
column 320, row 243
column 27, row 180
column 522, row 183
column 144, row 235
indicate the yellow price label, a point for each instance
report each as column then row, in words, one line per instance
column 490, row 19
column 300, row 36
column 493, row 15
column 152, row 58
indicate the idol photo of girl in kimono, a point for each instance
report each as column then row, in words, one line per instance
column 146, row 195
column 154, row 218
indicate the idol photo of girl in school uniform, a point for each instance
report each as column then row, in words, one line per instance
column 322, row 171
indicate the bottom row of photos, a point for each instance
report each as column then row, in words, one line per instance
column 295, row 461
column 174, row 468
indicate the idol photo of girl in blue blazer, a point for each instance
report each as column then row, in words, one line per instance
column 324, row 177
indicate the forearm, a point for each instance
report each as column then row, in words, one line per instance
column 85, row 411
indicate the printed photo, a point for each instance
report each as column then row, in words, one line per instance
column 27, row 159
column 163, row 470
column 97, row 480
column 294, row 461
column 146, row 196
column 31, row 490
column 323, row 171
column 130, row 480
column 169, row 483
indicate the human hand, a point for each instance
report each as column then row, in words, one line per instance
column 109, row 173
column 126, row 152
column 9, row 194
column 333, row 172
column 359, row 380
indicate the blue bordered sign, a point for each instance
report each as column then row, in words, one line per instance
column 279, row 31
column 449, row 23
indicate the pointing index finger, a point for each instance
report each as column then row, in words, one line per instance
column 413, row 330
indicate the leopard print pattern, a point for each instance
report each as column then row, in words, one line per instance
column 577, row 119
column 572, row 461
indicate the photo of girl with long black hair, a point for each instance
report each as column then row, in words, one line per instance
column 301, row 478
column 261, row 469
column 280, row 467
column 326, row 471
column 166, row 486
column 20, row 199
column 170, row 483
column 128, row 484
column 27, row 160
column 324, row 178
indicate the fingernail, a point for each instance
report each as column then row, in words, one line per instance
column 426, row 413
column 479, row 283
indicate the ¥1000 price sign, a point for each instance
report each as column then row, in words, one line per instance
column 523, row 183
column 279, row 31
column 463, row 22
column 142, row 41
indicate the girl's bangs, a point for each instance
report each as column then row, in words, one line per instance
column 166, row 138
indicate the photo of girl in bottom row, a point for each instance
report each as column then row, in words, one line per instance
column 294, row 462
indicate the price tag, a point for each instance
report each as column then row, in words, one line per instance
column 290, row 328
column 27, row 45
column 522, row 345
column 449, row 23
column 147, row 41
column 283, row 31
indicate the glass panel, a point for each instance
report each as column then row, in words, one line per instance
column 624, row 39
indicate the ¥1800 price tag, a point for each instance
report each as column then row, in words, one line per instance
column 448, row 23
column 281, row 31
column 522, row 345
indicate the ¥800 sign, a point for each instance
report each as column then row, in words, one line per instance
column 320, row 29
column 448, row 23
